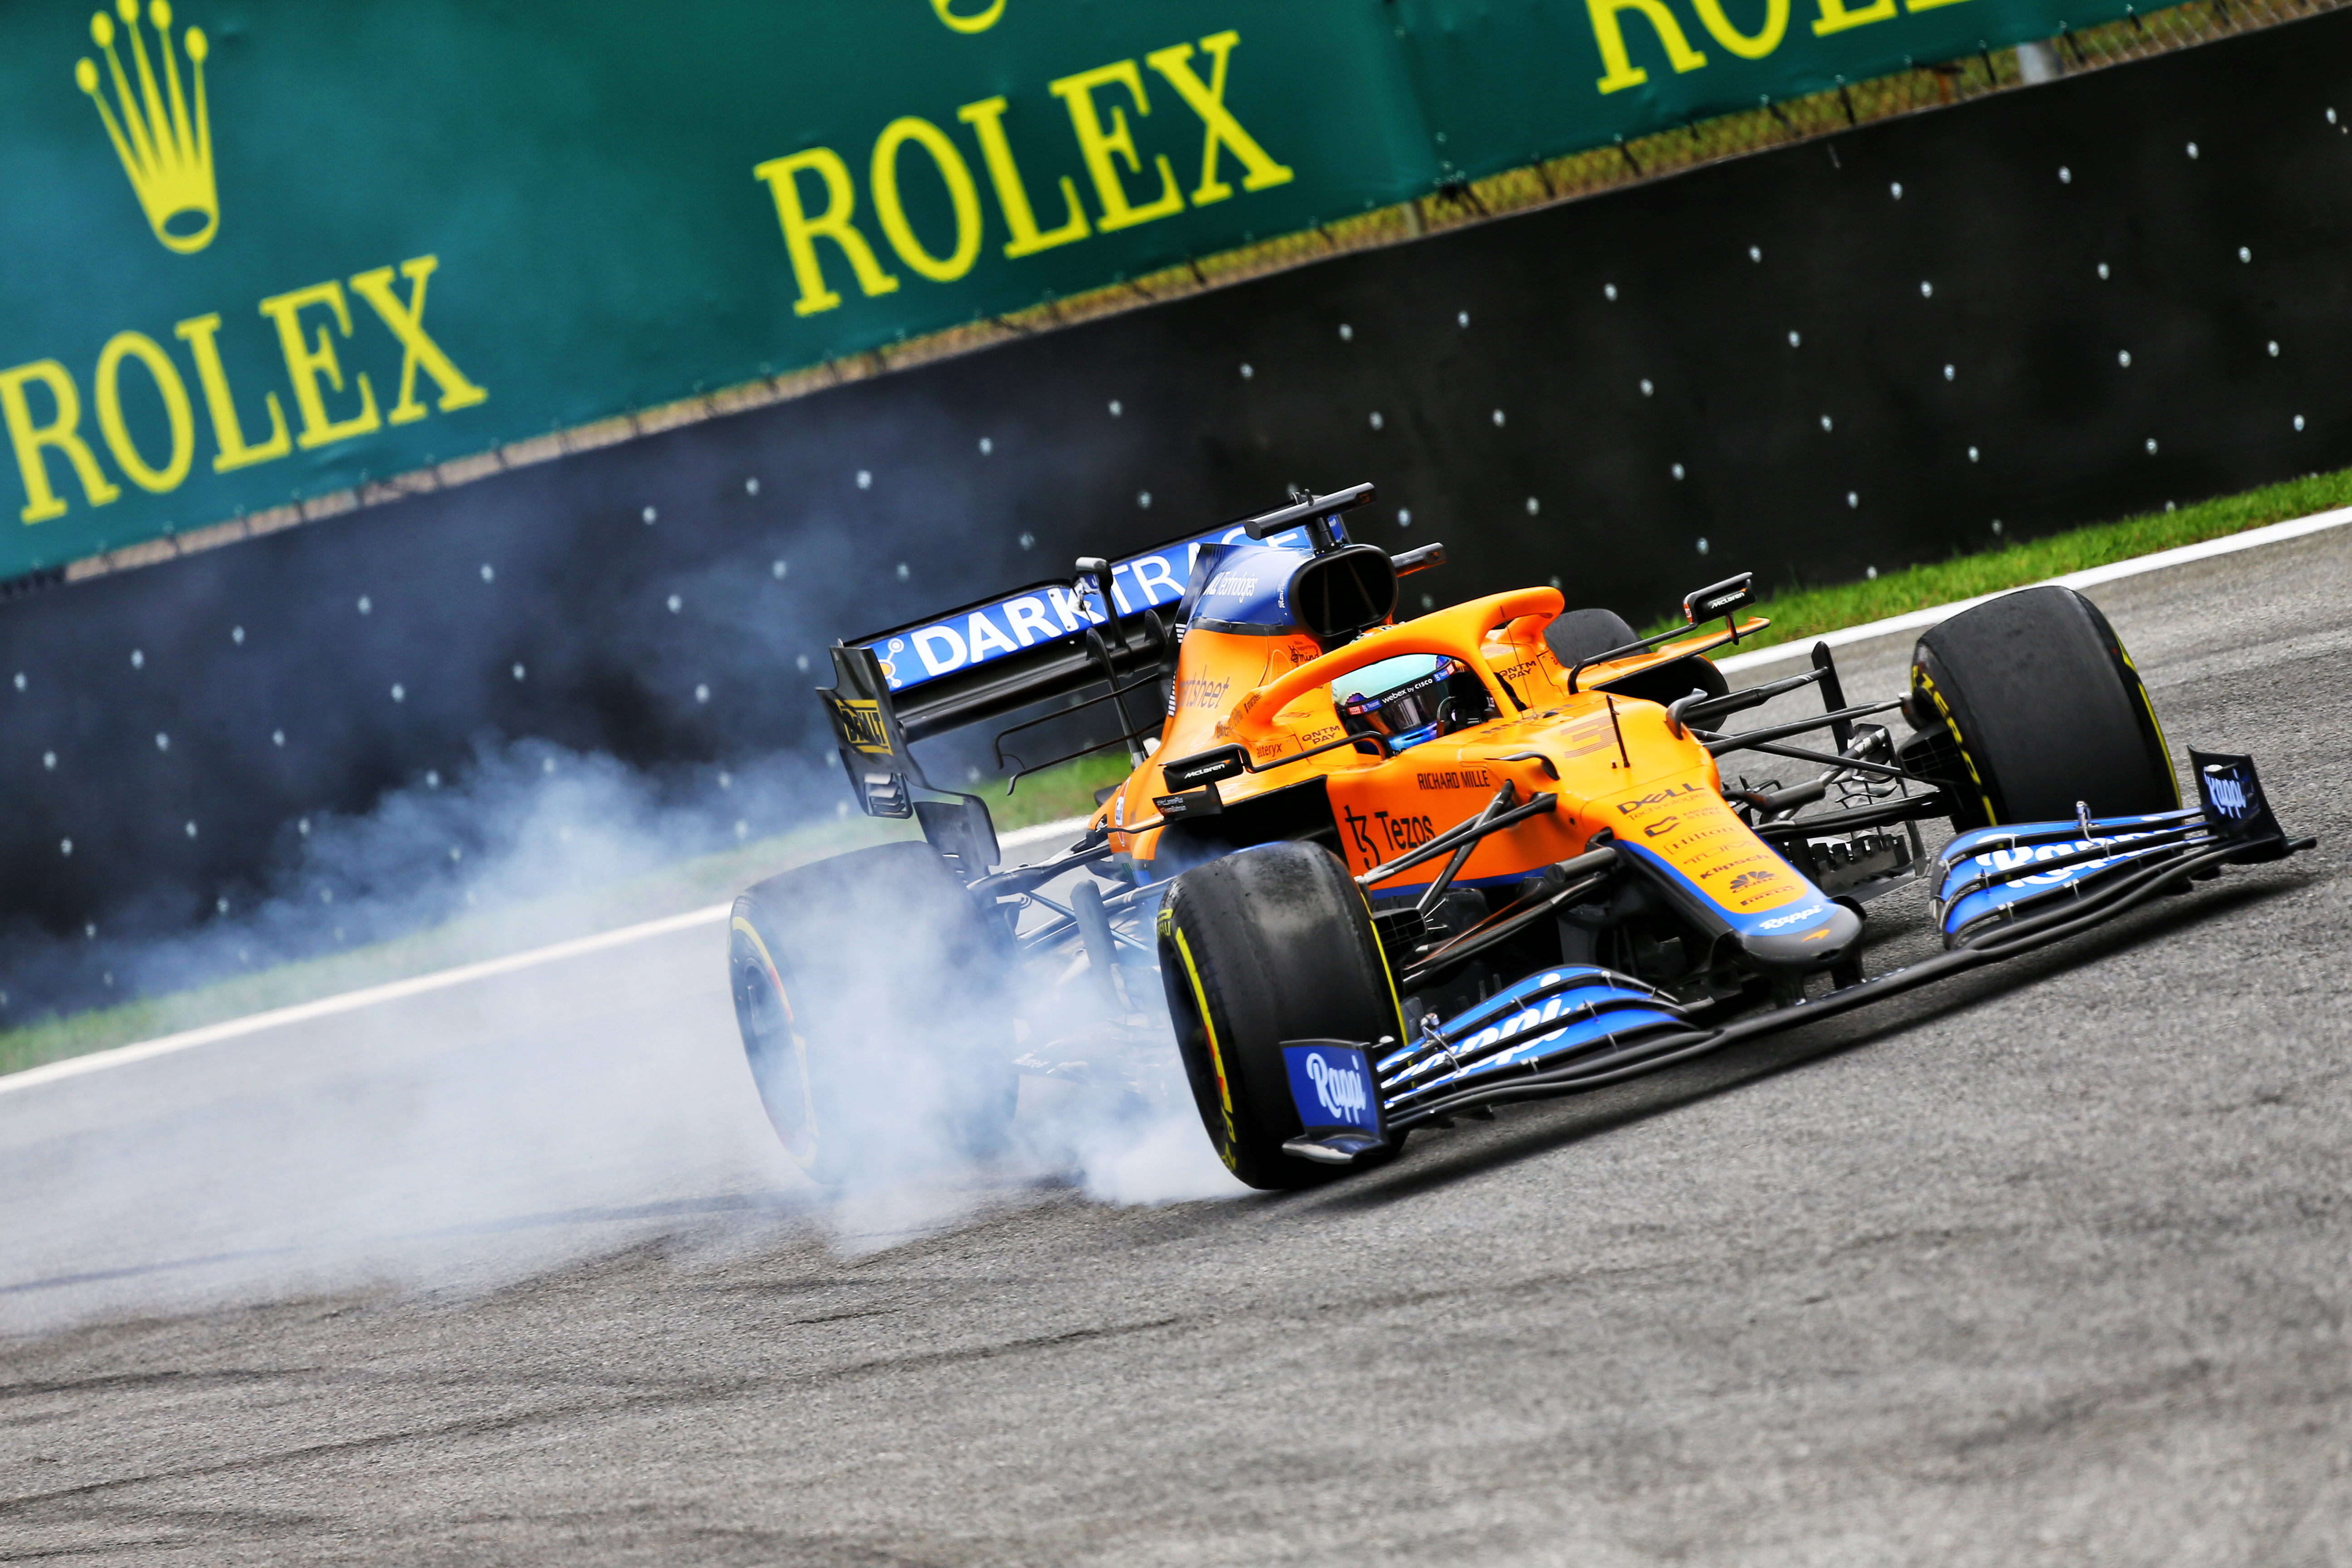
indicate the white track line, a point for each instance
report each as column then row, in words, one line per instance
column 1021, row 836
column 417, row 985
column 1920, row 620
column 353, row 1000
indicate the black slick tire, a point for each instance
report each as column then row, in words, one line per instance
column 1574, row 635
column 871, row 992
column 2045, row 708
column 1268, row 944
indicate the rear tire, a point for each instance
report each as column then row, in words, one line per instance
column 871, row 993
column 1264, row 945
column 1574, row 635
column 2045, row 708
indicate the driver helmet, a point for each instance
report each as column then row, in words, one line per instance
column 1398, row 699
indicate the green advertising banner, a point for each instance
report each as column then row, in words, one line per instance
column 255, row 252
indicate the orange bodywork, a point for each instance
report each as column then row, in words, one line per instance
column 1615, row 762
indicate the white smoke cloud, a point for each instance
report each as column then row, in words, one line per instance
column 464, row 1137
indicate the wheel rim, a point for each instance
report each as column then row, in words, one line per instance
column 772, row 1045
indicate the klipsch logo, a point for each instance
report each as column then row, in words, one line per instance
column 162, row 132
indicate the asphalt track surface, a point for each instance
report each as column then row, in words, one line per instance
column 2047, row 1264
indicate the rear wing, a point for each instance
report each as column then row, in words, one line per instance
column 885, row 775
column 1111, row 626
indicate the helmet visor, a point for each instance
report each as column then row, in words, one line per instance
column 1398, row 697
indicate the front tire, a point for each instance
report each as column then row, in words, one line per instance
column 870, row 990
column 2045, row 707
column 1264, row 945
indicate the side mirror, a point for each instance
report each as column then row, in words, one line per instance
column 1307, row 509
column 1412, row 561
column 1204, row 767
column 1725, row 598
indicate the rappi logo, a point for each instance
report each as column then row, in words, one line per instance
column 2229, row 795
column 1628, row 808
column 1340, row 1090
column 2011, row 860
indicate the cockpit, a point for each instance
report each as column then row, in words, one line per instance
column 1411, row 698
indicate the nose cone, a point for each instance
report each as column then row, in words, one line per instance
column 1809, row 935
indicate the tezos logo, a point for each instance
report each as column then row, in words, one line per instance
column 1776, row 922
column 1340, row 1088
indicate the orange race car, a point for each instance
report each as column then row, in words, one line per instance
column 1371, row 875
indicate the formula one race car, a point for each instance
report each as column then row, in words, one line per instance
column 1374, row 875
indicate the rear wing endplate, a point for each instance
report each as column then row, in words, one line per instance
column 885, row 775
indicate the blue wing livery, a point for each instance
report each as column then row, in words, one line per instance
column 1993, row 874
column 1544, row 1018
column 1047, row 613
column 1333, row 1087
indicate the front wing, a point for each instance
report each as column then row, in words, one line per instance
column 2004, row 891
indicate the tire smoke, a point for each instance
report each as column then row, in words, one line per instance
column 463, row 1137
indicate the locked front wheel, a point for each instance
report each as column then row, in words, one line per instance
column 1281, row 1000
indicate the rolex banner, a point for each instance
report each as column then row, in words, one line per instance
column 254, row 251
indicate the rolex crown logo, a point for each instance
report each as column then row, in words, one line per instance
column 167, row 154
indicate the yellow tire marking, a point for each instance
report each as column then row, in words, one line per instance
column 1216, row 1057
column 800, row 1046
column 1396, row 1003
column 1951, row 724
column 2163, row 747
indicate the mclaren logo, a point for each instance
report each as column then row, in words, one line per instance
column 161, row 131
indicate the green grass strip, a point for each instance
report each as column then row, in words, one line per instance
column 1056, row 794
column 1809, row 612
